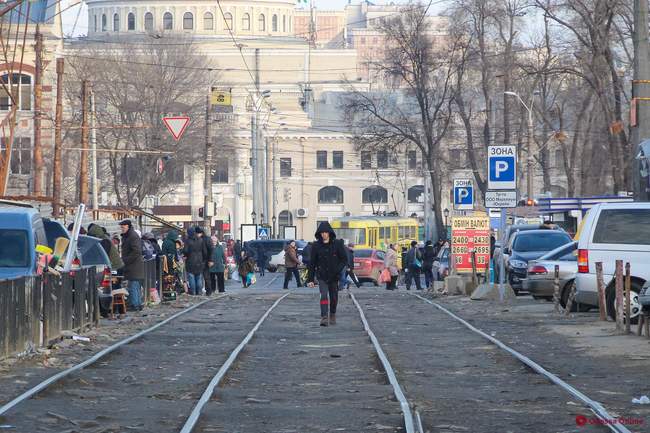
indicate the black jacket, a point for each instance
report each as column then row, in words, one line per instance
column 350, row 258
column 429, row 255
column 209, row 251
column 327, row 260
column 132, row 256
column 196, row 255
column 411, row 255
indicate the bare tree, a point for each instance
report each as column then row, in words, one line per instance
column 136, row 83
column 416, row 109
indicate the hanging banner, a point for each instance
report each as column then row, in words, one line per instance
column 470, row 234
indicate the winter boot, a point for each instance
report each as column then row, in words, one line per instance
column 332, row 319
column 324, row 321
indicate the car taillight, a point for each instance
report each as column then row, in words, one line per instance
column 537, row 270
column 583, row 261
column 106, row 281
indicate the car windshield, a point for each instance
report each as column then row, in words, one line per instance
column 356, row 236
column 362, row 254
column 14, row 249
column 563, row 253
column 546, row 241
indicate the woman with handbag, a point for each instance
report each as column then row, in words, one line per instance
column 391, row 271
column 413, row 266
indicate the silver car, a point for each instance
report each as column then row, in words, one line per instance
column 541, row 273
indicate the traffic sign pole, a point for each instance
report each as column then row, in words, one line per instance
column 502, row 264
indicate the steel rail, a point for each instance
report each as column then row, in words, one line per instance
column 392, row 378
column 596, row 407
column 207, row 394
column 53, row 379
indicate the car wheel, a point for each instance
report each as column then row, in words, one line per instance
column 635, row 306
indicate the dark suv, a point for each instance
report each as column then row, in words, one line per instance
column 530, row 245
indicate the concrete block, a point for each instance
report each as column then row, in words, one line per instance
column 455, row 285
column 491, row 292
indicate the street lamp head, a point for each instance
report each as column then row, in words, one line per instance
column 510, row 93
column 446, row 212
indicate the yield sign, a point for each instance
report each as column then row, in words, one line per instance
column 176, row 125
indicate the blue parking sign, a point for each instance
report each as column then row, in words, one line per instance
column 463, row 194
column 502, row 167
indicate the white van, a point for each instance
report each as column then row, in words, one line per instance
column 610, row 232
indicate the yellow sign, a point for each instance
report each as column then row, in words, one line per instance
column 220, row 97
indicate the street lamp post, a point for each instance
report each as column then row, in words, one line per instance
column 253, row 216
column 529, row 141
column 275, row 235
column 446, row 213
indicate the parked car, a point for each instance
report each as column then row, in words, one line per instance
column 441, row 264
column 21, row 231
column 540, row 280
column 610, row 232
column 368, row 265
column 529, row 245
column 271, row 247
column 277, row 260
column 498, row 252
column 644, row 296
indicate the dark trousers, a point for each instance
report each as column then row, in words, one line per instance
column 428, row 277
column 217, row 277
column 329, row 295
column 413, row 273
column 209, row 283
column 392, row 284
column 287, row 277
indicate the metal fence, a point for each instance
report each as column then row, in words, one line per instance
column 36, row 310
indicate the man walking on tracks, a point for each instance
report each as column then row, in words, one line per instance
column 328, row 258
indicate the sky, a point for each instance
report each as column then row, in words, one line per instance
column 70, row 15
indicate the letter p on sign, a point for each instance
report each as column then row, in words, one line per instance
column 502, row 168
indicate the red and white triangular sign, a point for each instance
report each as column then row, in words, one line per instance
column 176, row 125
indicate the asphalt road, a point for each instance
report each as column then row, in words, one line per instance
column 296, row 376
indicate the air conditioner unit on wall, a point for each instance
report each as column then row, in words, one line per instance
column 302, row 212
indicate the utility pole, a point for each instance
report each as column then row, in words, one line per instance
column 58, row 120
column 93, row 147
column 406, row 186
column 529, row 143
column 267, row 161
column 427, row 206
column 38, row 103
column 640, row 92
column 83, row 159
column 207, row 184
column 255, row 181
column 274, row 191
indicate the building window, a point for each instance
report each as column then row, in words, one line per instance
column 168, row 21
column 285, row 167
column 116, row 22
column 284, row 23
column 274, row 23
column 261, row 23
column 174, row 171
column 220, row 171
column 208, row 21
column 366, row 160
column 95, row 21
column 559, row 160
column 188, row 21
column 228, row 20
column 413, row 159
column 456, row 158
column 148, row 21
column 416, row 194
column 130, row 21
column 374, row 195
column 362, row 41
column 285, row 219
column 246, row 22
column 321, row 159
column 21, row 155
column 330, row 195
column 382, row 159
column 103, row 22
column 20, row 86
column 337, row 159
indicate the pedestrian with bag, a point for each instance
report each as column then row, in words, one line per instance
column 348, row 271
column 291, row 262
column 328, row 258
column 218, row 267
column 195, row 257
column 207, row 263
column 133, row 270
column 246, row 269
column 390, row 265
column 413, row 266
column 427, row 263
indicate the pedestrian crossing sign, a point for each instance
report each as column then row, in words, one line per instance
column 262, row 232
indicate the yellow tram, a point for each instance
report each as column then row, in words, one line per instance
column 376, row 231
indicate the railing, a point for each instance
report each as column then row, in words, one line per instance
column 36, row 310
